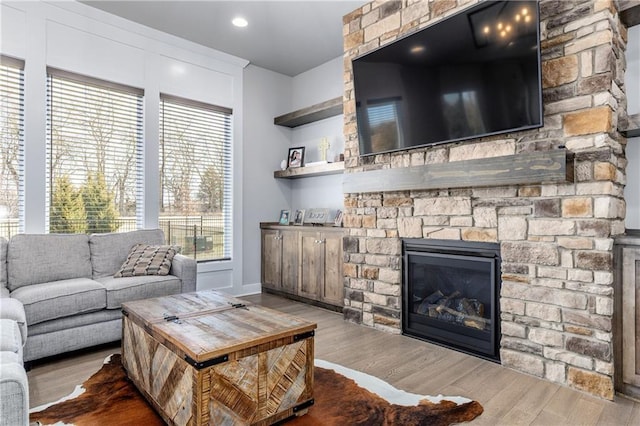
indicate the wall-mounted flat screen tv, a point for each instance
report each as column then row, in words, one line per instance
column 473, row 74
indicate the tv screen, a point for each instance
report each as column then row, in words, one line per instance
column 473, row 74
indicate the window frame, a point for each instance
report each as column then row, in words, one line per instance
column 18, row 65
column 129, row 94
column 227, row 208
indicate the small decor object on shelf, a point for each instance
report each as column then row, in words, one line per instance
column 317, row 216
column 284, row 217
column 283, row 165
column 323, row 147
column 315, row 163
column 299, row 218
column 296, row 157
column 337, row 221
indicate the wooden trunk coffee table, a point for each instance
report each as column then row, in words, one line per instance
column 205, row 358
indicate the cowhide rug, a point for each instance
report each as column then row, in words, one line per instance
column 342, row 397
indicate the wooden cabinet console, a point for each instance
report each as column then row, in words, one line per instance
column 304, row 263
column 627, row 314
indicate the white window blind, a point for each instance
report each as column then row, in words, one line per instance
column 94, row 154
column 11, row 146
column 195, row 177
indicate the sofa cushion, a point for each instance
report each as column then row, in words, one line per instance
column 3, row 262
column 10, row 337
column 59, row 299
column 42, row 258
column 147, row 259
column 77, row 321
column 12, row 309
column 109, row 251
column 134, row 288
column 8, row 357
column 14, row 404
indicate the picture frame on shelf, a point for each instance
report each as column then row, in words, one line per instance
column 295, row 158
column 284, row 217
column 299, row 217
column 317, row 216
column 337, row 221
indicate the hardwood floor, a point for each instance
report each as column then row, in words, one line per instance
column 508, row 397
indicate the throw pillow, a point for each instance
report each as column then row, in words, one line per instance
column 145, row 259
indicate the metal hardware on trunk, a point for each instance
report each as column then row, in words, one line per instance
column 238, row 305
column 171, row 318
column 302, row 336
column 304, row 405
column 207, row 363
column 125, row 313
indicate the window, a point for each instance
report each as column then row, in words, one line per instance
column 94, row 154
column 11, row 145
column 384, row 129
column 195, row 177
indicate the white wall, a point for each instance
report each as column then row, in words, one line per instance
column 268, row 95
column 311, row 87
column 319, row 84
column 78, row 38
column 265, row 94
column 632, row 83
column 632, row 76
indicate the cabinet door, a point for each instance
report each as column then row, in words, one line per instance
column 332, row 285
column 271, row 259
column 289, row 282
column 311, row 261
column 631, row 317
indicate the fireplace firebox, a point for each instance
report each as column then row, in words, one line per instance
column 450, row 294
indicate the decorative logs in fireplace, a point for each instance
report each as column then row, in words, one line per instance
column 453, row 308
column 450, row 294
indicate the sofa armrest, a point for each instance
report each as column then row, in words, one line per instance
column 12, row 309
column 14, row 388
column 186, row 269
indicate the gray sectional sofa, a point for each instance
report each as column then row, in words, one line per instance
column 14, row 389
column 69, row 297
column 66, row 284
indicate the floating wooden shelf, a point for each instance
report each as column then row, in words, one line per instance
column 310, row 114
column 319, row 170
column 632, row 128
column 629, row 12
column 631, row 133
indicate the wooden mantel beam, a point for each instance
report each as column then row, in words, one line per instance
column 524, row 168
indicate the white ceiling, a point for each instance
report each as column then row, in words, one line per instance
column 288, row 37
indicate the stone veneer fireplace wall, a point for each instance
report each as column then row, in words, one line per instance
column 556, row 239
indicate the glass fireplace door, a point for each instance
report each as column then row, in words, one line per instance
column 450, row 298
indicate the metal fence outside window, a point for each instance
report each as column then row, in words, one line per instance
column 200, row 237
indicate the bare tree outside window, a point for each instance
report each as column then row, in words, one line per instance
column 195, row 177
column 94, row 140
column 11, row 145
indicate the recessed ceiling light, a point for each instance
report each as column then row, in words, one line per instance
column 239, row 21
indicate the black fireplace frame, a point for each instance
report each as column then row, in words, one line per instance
column 489, row 252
